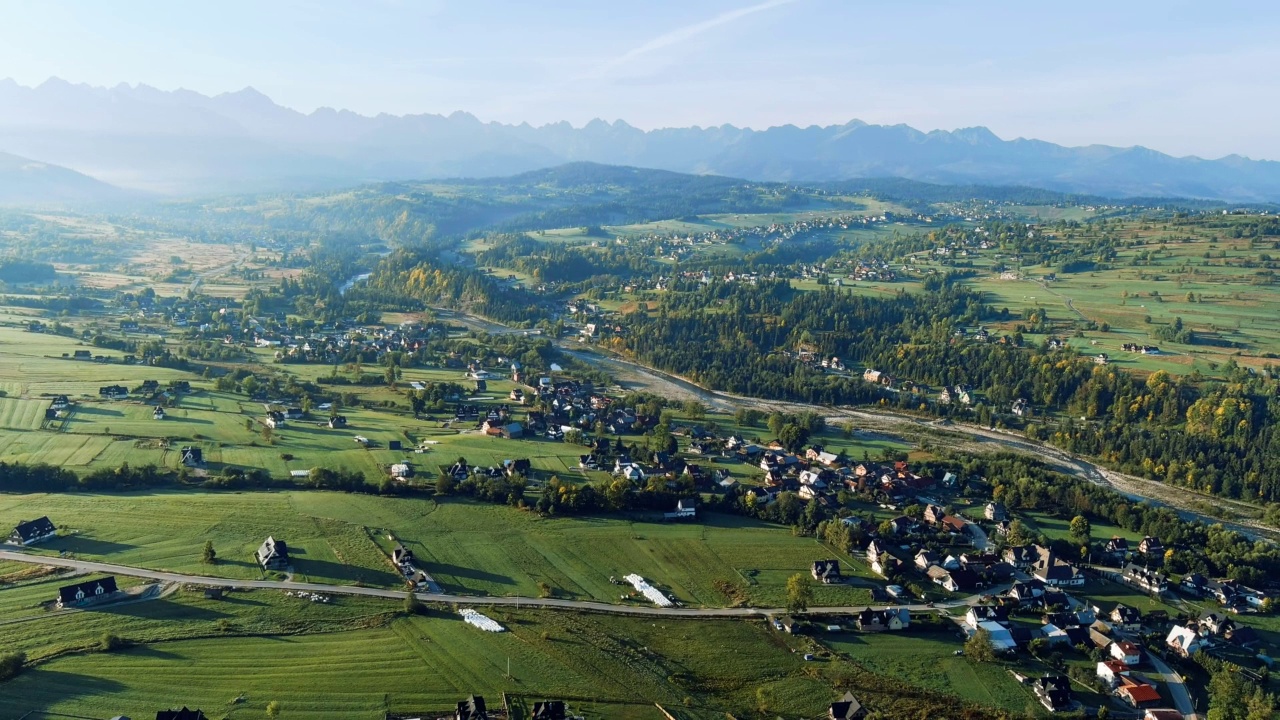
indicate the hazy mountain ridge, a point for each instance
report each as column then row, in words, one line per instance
column 182, row 141
column 29, row 182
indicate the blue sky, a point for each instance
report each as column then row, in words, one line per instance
column 1181, row 77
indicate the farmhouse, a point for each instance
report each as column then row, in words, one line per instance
column 113, row 392
column 32, row 531
column 192, row 456
column 472, row 708
column 158, row 413
column 1053, row 570
column 273, row 554
column 846, row 708
column 1137, row 693
column 337, row 421
column 1054, row 692
column 828, row 571
column 274, row 419
column 401, row 471
column 996, row 512
column 870, row 620
column 86, row 592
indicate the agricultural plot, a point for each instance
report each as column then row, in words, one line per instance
column 927, row 660
column 16, row 414
column 469, row 548
column 604, row 667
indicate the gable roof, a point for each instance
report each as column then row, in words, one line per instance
column 34, row 529
column 91, row 588
column 846, row 708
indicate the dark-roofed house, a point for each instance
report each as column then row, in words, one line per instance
column 88, row 591
column 548, row 710
column 847, row 708
column 273, row 554
column 183, row 714
column 828, row 571
column 471, row 709
column 1054, row 692
column 30, row 532
column 192, row 456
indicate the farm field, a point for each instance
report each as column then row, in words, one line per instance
column 604, row 667
column 927, row 660
column 468, row 547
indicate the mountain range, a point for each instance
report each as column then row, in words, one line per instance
column 29, row 182
column 183, row 142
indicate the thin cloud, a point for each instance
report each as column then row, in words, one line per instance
column 679, row 35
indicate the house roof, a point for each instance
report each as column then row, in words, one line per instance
column 33, row 529
column 68, row 593
column 1138, row 692
column 846, row 708
column 183, row 714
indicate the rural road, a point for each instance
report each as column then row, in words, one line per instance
column 546, row 603
column 1177, row 690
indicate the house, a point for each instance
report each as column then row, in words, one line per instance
column 926, row 559
column 337, row 421
column 1021, row 407
column 1024, row 592
column 85, row 592
column 1137, row 693
column 1126, row 652
column 1126, row 618
column 61, row 402
column 1185, row 641
column 274, row 419
column 1022, row 557
column 1152, row 548
column 1117, row 547
column 846, row 708
column 828, row 571
column 958, row 580
column 548, row 710
column 511, row 431
column 933, row 514
column 1195, row 584
column 273, row 554
column 1162, row 714
column 882, row 556
column 1110, row 671
column 113, row 392
column 30, row 532
column 632, row 473
column 979, row 614
column 191, row 456
column 996, row 512
column 870, row 620
column 1053, row 570
column 686, row 509
column 1054, row 692
column 183, row 714
column 82, row 355
column 401, row 471
column 472, row 708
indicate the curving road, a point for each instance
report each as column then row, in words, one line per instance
column 546, row 603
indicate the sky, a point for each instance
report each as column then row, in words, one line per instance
column 1181, row 77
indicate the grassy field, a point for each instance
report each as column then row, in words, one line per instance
column 247, row 654
column 469, row 548
column 927, row 660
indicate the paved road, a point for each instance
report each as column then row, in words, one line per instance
column 1177, row 690
column 547, row 603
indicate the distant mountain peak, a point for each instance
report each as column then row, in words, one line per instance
column 183, row 140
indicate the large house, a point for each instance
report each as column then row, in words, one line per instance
column 549, row 710
column 1185, row 641
column 828, row 571
column 192, row 456
column 880, row 620
column 32, row 531
column 86, row 592
column 1054, row 692
column 1053, row 570
column 273, row 554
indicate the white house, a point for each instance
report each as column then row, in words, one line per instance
column 1185, row 641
